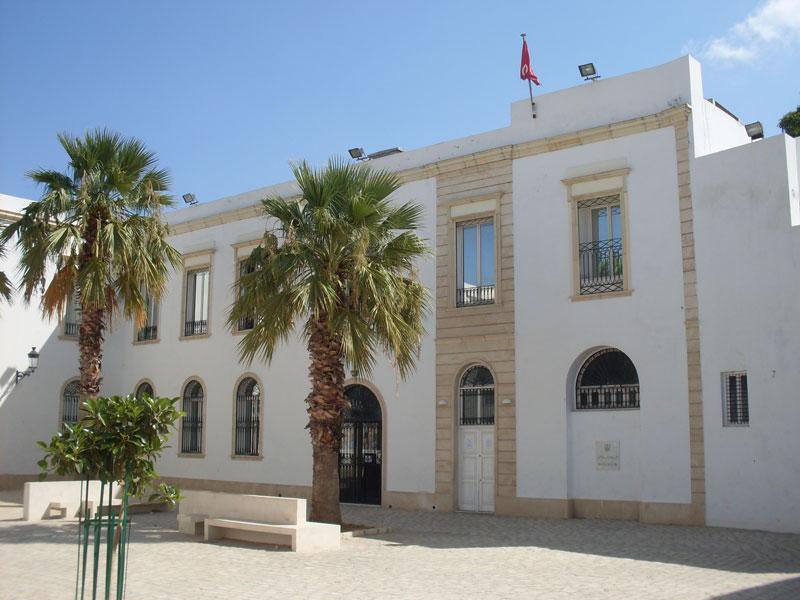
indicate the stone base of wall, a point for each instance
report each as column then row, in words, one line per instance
column 240, row 487
column 17, row 482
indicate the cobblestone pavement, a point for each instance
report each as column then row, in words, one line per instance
column 426, row 555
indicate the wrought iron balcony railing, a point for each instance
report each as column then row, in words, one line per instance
column 195, row 328
column 150, row 332
column 601, row 266
column 607, row 396
column 474, row 296
column 71, row 329
column 246, row 323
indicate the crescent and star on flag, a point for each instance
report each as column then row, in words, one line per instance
column 526, row 73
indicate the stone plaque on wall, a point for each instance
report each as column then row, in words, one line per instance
column 607, row 456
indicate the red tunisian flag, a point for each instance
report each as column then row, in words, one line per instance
column 525, row 69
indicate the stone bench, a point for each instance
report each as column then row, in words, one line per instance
column 43, row 498
column 254, row 518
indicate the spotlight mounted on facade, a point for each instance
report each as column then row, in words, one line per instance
column 357, row 153
column 588, row 72
column 33, row 362
column 190, row 199
column 755, row 130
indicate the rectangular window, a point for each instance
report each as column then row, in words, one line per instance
column 149, row 329
column 475, row 262
column 196, row 315
column 245, row 323
column 737, row 411
column 600, row 256
column 72, row 317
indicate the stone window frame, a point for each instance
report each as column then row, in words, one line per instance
column 473, row 209
column 241, row 252
column 196, row 261
column 589, row 187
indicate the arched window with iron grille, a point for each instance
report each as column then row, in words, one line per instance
column 192, row 421
column 476, row 397
column 248, row 418
column 69, row 404
column 145, row 388
column 607, row 380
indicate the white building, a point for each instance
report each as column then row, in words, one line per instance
column 615, row 330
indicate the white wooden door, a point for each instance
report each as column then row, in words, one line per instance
column 476, row 469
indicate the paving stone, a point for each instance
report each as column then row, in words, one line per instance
column 425, row 555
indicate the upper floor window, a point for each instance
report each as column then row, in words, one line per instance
column 475, row 262
column 608, row 379
column 196, row 313
column 72, row 317
column 737, row 409
column 600, row 255
column 192, row 420
column 149, row 329
column 248, row 418
column 476, row 397
column 245, row 323
column 69, row 404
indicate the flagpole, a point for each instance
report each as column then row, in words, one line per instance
column 530, row 87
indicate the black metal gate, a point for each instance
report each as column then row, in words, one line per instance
column 360, row 455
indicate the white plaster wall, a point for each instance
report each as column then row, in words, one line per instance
column 28, row 410
column 555, row 445
column 409, row 418
column 748, row 280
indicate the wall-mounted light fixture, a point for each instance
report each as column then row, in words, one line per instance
column 442, row 403
column 588, row 72
column 755, row 130
column 33, row 362
column 190, row 199
column 507, row 401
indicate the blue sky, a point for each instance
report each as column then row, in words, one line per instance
column 227, row 93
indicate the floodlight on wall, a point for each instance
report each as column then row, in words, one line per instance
column 588, row 72
column 190, row 199
column 755, row 130
column 33, row 362
column 357, row 153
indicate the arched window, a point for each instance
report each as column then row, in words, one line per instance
column 192, row 422
column 248, row 418
column 145, row 388
column 476, row 394
column 69, row 404
column 607, row 379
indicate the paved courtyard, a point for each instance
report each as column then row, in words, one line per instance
column 426, row 555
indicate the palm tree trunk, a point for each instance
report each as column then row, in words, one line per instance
column 326, row 405
column 90, row 345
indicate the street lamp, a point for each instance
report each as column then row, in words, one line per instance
column 33, row 362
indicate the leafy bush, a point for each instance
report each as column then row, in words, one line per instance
column 117, row 437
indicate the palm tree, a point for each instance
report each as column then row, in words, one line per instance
column 5, row 283
column 341, row 260
column 99, row 224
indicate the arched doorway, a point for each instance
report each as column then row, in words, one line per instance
column 360, row 455
column 476, row 440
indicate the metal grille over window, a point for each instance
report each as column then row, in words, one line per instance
column 69, row 404
column 145, row 388
column 737, row 410
column 192, row 422
column 248, row 423
column 607, row 380
column 600, row 254
column 476, row 394
column 475, row 258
